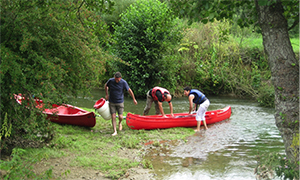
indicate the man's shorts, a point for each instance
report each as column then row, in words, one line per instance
column 116, row 107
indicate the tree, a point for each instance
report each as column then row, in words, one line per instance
column 272, row 17
column 114, row 17
column 285, row 72
column 147, row 29
column 50, row 50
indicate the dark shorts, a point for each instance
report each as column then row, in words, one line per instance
column 116, row 107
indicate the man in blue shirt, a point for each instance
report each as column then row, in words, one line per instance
column 116, row 87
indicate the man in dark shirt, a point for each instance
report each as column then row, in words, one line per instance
column 158, row 95
column 116, row 87
column 198, row 98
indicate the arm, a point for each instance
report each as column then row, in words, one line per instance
column 195, row 105
column 171, row 109
column 161, row 109
column 132, row 95
column 106, row 91
column 191, row 97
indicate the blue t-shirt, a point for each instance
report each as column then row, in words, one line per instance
column 116, row 90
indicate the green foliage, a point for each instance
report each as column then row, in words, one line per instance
column 211, row 58
column 147, row 30
column 18, row 168
column 50, row 50
column 147, row 164
column 114, row 17
column 243, row 12
column 5, row 130
column 286, row 169
column 266, row 95
column 276, row 164
column 295, row 144
column 206, row 11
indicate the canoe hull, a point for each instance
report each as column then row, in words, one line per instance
column 134, row 121
column 72, row 115
column 65, row 114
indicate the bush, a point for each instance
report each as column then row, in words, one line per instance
column 266, row 95
column 48, row 49
column 211, row 57
column 276, row 164
column 216, row 62
column 146, row 31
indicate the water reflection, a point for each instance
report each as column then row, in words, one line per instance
column 226, row 151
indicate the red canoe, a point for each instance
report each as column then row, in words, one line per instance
column 135, row 121
column 65, row 114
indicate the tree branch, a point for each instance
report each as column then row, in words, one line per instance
column 78, row 12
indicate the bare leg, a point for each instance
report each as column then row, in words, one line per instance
column 120, row 122
column 114, row 123
column 157, row 111
column 204, row 122
column 198, row 126
column 148, row 104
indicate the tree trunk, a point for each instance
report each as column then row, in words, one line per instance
column 285, row 74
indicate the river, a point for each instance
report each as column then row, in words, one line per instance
column 226, row 151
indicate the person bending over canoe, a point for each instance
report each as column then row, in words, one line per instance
column 116, row 87
column 158, row 95
column 198, row 98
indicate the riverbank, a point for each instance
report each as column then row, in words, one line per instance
column 92, row 153
column 232, row 146
column 63, row 168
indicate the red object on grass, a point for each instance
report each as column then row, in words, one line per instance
column 99, row 103
column 65, row 114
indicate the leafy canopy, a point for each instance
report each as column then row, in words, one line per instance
column 50, row 50
column 204, row 11
column 146, row 31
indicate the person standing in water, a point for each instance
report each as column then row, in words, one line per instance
column 198, row 98
column 116, row 87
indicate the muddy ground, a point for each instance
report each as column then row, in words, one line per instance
column 62, row 166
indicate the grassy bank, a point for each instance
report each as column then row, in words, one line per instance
column 256, row 41
column 91, row 148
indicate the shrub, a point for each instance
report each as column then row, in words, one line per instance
column 217, row 62
column 266, row 95
column 276, row 164
column 146, row 31
column 48, row 49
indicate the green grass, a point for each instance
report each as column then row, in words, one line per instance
column 95, row 147
column 295, row 44
column 253, row 43
column 256, row 41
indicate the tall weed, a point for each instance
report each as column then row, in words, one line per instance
column 20, row 168
column 217, row 62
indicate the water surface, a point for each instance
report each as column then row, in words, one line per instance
column 226, row 151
